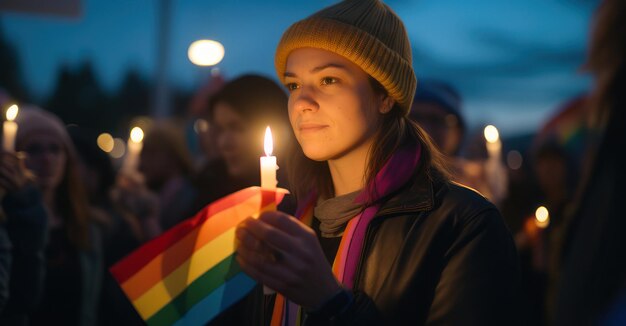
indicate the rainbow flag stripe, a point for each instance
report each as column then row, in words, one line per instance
column 189, row 275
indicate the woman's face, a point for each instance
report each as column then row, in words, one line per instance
column 46, row 158
column 333, row 108
column 234, row 141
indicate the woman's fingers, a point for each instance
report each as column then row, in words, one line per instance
column 270, row 268
column 286, row 223
column 268, row 234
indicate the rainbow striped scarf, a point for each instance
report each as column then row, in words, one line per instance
column 389, row 179
column 189, row 275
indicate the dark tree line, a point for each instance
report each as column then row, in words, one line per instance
column 79, row 98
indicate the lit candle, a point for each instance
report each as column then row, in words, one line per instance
column 133, row 149
column 268, row 163
column 268, row 177
column 496, row 173
column 9, row 128
column 542, row 217
column 494, row 146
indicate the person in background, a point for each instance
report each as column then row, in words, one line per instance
column 238, row 115
column 589, row 281
column 74, row 249
column 388, row 239
column 166, row 166
column 23, row 234
column 122, row 228
column 437, row 107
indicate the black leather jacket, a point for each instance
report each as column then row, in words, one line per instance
column 437, row 253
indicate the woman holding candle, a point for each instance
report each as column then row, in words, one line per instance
column 73, row 250
column 384, row 238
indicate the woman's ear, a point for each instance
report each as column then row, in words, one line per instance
column 386, row 105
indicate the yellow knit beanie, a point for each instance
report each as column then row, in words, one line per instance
column 366, row 32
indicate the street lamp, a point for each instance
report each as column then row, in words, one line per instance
column 205, row 52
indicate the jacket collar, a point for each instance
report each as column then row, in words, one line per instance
column 417, row 195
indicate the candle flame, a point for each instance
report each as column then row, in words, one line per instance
column 12, row 112
column 491, row 134
column 542, row 217
column 268, row 143
column 136, row 135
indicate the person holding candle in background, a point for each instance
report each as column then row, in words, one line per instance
column 23, row 230
column 73, row 252
column 239, row 115
column 165, row 165
column 384, row 237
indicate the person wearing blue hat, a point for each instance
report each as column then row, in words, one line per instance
column 437, row 108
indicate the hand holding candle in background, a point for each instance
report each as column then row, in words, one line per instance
column 9, row 129
column 495, row 170
column 134, row 149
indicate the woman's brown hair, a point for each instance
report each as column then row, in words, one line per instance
column 72, row 204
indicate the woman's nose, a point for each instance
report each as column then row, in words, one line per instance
column 304, row 100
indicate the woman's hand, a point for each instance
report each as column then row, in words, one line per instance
column 284, row 255
column 14, row 175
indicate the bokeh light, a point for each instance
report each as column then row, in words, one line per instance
column 206, row 52
column 105, row 142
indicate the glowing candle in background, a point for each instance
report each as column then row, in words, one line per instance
column 9, row 129
column 268, row 163
column 496, row 173
column 494, row 146
column 135, row 143
column 542, row 217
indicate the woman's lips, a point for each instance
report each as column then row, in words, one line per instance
column 311, row 127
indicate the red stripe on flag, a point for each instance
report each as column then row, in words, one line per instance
column 132, row 263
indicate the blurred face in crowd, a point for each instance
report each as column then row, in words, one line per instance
column 157, row 164
column 46, row 158
column 551, row 170
column 236, row 143
column 333, row 108
column 441, row 126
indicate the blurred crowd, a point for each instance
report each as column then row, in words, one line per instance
column 69, row 211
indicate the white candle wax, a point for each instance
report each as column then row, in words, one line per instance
column 8, row 140
column 9, row 129
column 131, row 161
column 134, row 146
column 494, row 146
column 268, row 172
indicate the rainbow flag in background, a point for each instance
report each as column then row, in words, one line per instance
column 189, row 275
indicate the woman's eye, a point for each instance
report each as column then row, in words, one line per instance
column 329, row 80
column 291, row 86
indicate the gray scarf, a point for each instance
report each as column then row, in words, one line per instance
column 335, row 213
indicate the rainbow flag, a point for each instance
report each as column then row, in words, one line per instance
column 189, row 275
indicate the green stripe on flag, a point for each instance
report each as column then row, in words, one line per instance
column 195, row 292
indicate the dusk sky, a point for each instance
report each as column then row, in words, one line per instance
column 513, row 61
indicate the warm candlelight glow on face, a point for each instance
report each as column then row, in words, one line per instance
column 491, row 134
column 268, row 144
column 105, row 142
column 12, row 112
column 542, row 217
column 136, row 135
